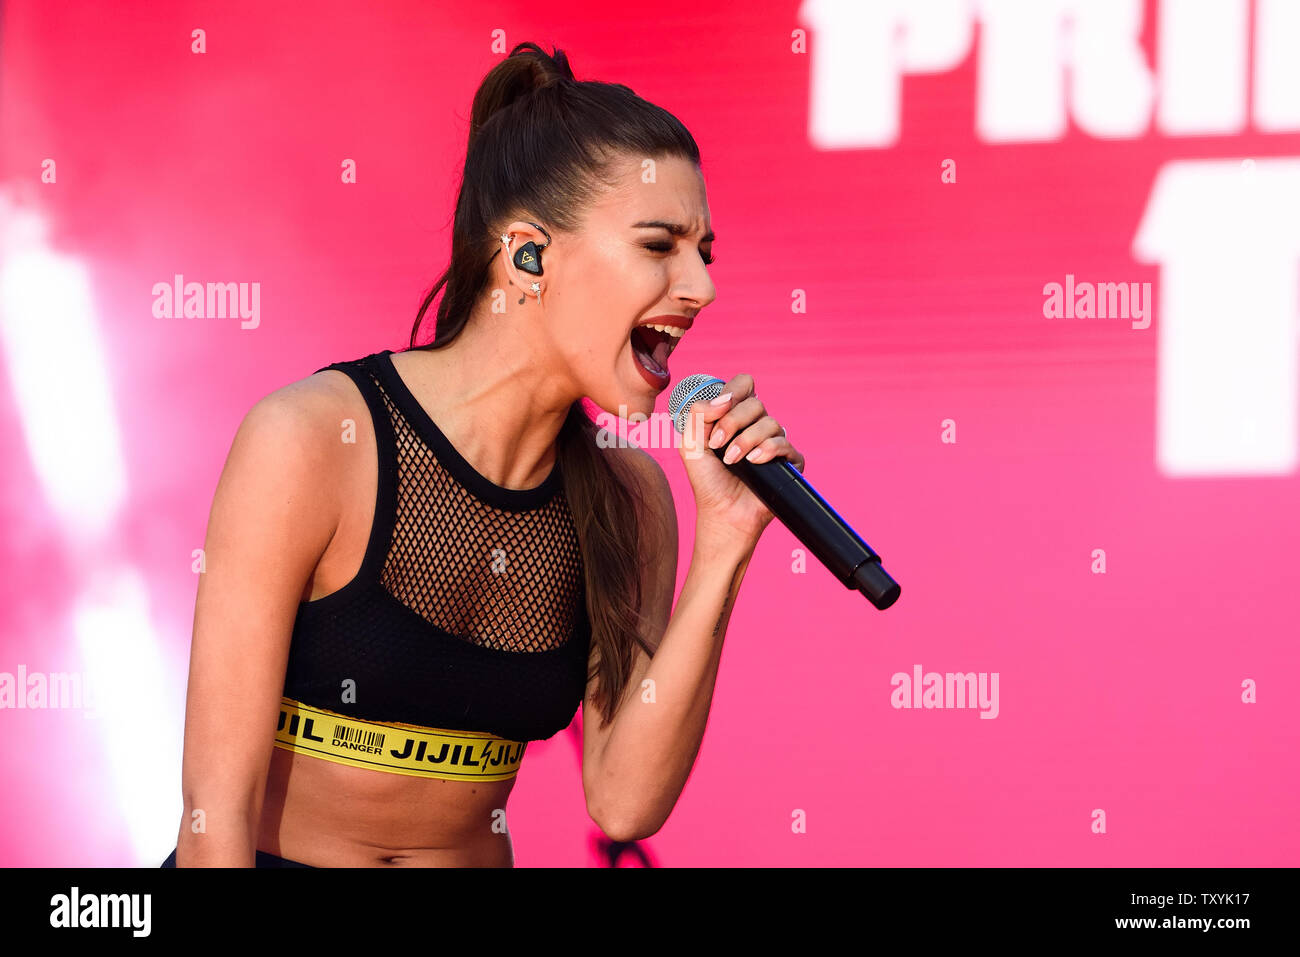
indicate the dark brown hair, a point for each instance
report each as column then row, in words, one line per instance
column 540, row 145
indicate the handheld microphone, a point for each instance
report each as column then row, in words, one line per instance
column 789, row 497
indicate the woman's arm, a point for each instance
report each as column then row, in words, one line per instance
column 273, row 514
column 634, row 768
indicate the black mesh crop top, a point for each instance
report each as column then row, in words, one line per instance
column 469, row 612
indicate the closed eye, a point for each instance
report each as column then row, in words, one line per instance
column 709, row 258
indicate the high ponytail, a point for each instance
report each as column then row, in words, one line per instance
column 540, row 142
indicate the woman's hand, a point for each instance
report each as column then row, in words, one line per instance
column 722, row 501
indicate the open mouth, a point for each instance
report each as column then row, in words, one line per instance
column 652, row 344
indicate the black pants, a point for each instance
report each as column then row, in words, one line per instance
column 263, row 859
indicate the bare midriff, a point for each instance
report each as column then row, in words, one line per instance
column 327, row 814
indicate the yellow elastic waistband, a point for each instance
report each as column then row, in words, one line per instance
column 399, row 748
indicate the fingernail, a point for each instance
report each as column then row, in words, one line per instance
column 733, row 453
column 721, row 399
column 754, row 453
column 716, row 438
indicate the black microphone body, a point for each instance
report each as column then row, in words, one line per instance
column 784, row 490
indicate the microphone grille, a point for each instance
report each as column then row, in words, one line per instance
column 690, row 390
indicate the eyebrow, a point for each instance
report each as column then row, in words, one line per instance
column 676, row 229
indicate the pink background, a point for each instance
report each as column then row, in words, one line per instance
column 1120, row 691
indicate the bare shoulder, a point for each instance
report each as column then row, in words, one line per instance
column 321, row 393
column 312, row 408
column 295, row 432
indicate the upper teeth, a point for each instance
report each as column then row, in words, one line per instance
column 675, row 331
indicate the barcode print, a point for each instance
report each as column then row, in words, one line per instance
column 367, row 739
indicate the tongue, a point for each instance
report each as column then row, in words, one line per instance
column 660, row 354
column 651, row 349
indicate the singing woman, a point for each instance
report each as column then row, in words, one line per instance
column 419, row 561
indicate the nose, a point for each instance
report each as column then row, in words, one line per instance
column 697, row 285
